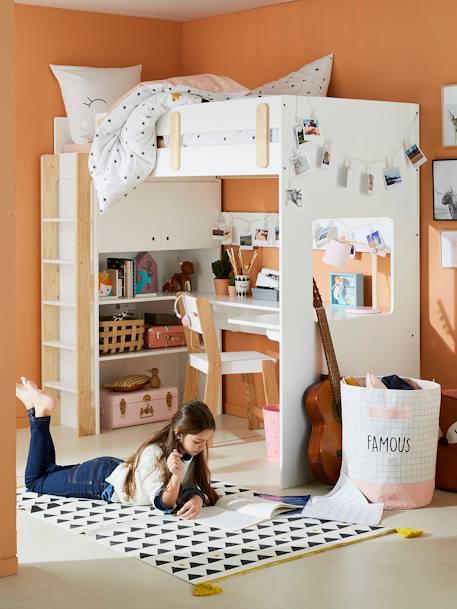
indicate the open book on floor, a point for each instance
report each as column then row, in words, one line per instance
column 236, row 512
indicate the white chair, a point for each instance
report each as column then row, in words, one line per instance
column 205, row 356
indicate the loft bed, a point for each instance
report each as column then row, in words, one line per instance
column 364, row 136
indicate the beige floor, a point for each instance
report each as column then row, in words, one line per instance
column 62, row 570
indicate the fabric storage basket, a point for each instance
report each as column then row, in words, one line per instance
column 390, row 442
column 137, row 407
column 120, row 336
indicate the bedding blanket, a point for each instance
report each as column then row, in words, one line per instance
column 124, row 150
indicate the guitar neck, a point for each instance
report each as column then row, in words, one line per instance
column 330, row 356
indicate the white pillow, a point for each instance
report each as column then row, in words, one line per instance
column 311, row 79
column 88, row 91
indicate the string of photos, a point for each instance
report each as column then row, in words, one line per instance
column 311, row 128
column 247, row 230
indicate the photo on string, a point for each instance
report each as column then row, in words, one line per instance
column 311, row 126
column 415, row 155
column 261, row 236
column 301, row 164
column 246, row 241
column 392, row 177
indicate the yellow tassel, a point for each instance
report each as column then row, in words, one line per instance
column 206, row 589
column 408, row 533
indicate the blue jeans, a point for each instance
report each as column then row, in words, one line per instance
column 42, row 475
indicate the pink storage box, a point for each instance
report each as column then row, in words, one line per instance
column 158, row 337
column 124, row 409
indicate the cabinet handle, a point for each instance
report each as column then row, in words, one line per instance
column 168, row 238
column 153, row 238
column 169, row 400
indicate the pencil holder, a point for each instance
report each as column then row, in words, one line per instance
column 242, row 285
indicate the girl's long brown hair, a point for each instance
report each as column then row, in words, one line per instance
column 191, row 418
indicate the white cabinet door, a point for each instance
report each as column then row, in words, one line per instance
column 189, row 210
column 134, row 223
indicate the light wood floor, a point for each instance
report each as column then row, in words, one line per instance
column 61, row 570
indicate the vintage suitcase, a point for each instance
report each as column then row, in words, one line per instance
column 158, row 337
column 137, row 407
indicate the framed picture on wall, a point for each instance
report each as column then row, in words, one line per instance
column 449, row 114
column 444, row 189
column 448, row 241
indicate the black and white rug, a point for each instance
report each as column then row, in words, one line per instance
column 189, row 550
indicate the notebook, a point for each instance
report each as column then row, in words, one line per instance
column 235, row 512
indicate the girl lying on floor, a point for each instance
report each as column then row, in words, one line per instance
column 169, row 471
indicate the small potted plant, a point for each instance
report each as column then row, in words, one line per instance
column 222, row 269
column 231, row 286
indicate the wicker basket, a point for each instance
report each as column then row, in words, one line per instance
column 121, row 336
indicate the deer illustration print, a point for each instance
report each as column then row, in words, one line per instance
column 453, row 120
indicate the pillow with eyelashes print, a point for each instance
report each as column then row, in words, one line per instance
column 87, row 91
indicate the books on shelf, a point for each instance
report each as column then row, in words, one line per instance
column 122, row 271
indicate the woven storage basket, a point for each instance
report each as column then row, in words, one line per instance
column 121, row 336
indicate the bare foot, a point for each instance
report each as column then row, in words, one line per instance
column 22, row 393
column 42, row 402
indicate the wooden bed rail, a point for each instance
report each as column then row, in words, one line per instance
column 262, row 135
column 175, row 141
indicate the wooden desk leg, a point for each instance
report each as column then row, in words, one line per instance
column 191, row 384
column 270, row 383
column 253, row 411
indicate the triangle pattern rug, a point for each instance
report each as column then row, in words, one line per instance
column 188, row 550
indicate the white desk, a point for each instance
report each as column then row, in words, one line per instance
column 244, row 314
column 268, row 322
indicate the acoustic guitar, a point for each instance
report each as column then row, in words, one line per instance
column 322, row 402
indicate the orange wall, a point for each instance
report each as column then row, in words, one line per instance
column 399, row 51
column 252, row 195
column 8, row 560
column 45, row 36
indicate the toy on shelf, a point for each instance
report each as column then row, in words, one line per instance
column 105, row 284
column 154, row 381
column 146, row 274
column 180, row 282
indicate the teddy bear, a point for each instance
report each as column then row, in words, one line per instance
column 180, row 282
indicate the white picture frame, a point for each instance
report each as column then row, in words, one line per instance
column 449, row 115
column 448, row 244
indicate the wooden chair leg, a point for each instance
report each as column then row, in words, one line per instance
column 191, row 384
column 270, row 383
column 253, row 411
column 213, row 382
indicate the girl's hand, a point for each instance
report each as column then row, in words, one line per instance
column 192, row 508
column 175, row 465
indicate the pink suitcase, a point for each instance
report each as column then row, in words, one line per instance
column 158, row 337
column 123, row 409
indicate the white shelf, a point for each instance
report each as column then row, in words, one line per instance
column 58, row 345
column 57, row 261
column 59, row 303
column 143, row 353
column 159, row 296
column 60, row 220
column 59, row 386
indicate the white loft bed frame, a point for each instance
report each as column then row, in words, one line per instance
column 380, row 344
